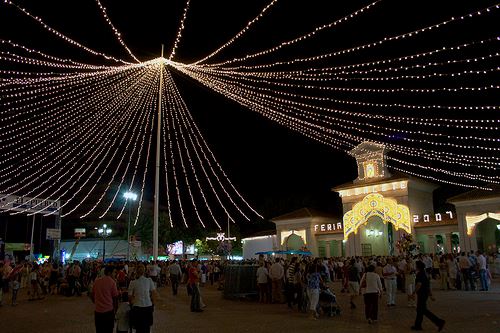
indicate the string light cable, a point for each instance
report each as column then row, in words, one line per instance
column 359, row 47
column 183, row 110
column 180, row 30
column 76, row 173
column 301, row 38
column 63, row 36
column 196, row 133
column 239, row 34
column 117, row 33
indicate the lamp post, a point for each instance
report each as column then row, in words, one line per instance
column 133, row 197
column 104, row 232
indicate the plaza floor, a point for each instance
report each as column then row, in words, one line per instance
column 463, row 311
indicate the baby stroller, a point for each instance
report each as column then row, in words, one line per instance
column 328, row 303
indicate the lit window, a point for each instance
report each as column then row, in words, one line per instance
column 369, row 170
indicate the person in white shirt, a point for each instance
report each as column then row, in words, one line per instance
column 276, row 274
column 175, row 276
column 142, row 292
column 262, row 275
column 389, row 273
column 372, row 289
column 483, row 274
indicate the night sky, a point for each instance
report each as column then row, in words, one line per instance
column 276, row 169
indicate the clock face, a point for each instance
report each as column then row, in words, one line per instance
column 370, row 170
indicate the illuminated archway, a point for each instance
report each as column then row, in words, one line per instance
column 473, row 220
column 375, row 204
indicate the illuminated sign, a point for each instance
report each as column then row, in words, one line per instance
column 438, row 217
column 221, row 236
column 328, row 227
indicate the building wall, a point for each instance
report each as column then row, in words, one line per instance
column 258, row 244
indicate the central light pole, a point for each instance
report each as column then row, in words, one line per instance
column 104, row 232
column 157, row 164
column 129, row 196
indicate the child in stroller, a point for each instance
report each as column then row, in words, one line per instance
column 328, row 302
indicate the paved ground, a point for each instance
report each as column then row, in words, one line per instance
column 463, row 311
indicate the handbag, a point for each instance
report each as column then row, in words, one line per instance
column 363, row 281
column 362, row 287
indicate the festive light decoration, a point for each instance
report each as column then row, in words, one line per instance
column 221, row 236
column 375, row 204
column 78, row 132
column 240, row 94
column 179, row 32
column 187, row 133
column 115, row 31
column 62, row 36
column 301, row 38
column 239, row 34
column 359, row 47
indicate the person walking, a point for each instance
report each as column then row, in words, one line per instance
column 194, row 281
column 389, row 273
column 142, row 294
column 175, row 275
column 290, row 282
column 353, row 276
column 276, row 273
column 313, row 285
column 372, row 290
column 105, row 297
column 423, row 292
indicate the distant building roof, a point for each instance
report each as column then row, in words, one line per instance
column 262, row 233
column 477, row 194
column 302, row 213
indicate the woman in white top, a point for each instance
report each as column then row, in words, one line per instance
column 372, row 289
column 142, row 293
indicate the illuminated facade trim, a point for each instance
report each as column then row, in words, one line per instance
column 392, row 186
column 473, row 220
column 286, row 234
column 375, row 204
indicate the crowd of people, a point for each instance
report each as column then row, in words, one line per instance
column 301, row 282
column 125, row 292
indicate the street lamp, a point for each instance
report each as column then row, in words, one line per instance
column 104, row 232
column 133, row 197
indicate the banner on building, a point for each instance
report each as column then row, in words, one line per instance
column 29, row 205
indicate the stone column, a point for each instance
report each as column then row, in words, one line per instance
column 448, row 245
column 350, row 246
column 339, row 248
column 357, row 248
column 327, row 249
column 462, row 231
column 432, row 244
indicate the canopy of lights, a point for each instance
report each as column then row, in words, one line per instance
column 80, row 132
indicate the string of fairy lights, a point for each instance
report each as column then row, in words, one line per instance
column 82, row 133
